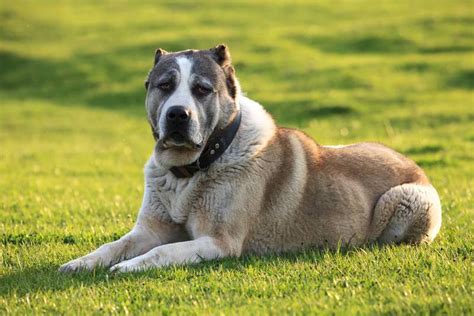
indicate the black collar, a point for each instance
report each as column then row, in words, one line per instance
column 215, row 147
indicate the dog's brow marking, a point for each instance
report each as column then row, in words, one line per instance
column 182, row 95
column 183, row 92
column 185, row 66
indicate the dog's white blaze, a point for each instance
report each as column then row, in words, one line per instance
column 182, row 94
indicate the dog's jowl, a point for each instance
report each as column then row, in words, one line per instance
column 224, row 180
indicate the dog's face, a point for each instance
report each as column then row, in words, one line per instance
column 189, row 95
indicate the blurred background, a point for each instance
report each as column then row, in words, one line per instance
column 74, row 135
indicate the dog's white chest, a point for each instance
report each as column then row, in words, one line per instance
column 174, row 197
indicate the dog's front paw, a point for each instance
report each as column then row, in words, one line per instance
column 80, row 264
column 133, row 265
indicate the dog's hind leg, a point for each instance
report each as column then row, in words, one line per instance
column 408, row 213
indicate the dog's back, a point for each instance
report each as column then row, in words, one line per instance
column 322, row 196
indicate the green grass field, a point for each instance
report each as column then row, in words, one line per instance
column 74, row 139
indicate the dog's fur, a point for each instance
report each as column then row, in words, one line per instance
column 274, row 189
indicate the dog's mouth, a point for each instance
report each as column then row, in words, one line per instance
column 176, row 139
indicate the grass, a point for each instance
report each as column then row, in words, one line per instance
column 74, row 139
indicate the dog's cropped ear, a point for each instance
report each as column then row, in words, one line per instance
column 158, row 53
column 221, row 55
column 231, row 81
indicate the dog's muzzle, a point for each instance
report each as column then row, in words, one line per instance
column 178, row 119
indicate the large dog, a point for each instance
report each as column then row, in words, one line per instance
column 224, row 180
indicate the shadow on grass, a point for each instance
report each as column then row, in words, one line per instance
column 387, row 41
column 301, row 112
column 463, row 79
column 430, row 120
column 360, row 44
column 73, row 82
column 416, row 67
column 34, row 238
column 429, row 149
column 432, row 163
column 376, row 44
column 46, row 278
column 37, row 279
column 311, row 78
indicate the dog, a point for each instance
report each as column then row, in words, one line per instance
column 223, row 180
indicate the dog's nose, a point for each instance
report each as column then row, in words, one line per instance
column 178, row 114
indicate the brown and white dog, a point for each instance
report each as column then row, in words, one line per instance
column 262, row 188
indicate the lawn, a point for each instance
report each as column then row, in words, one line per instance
column 74, row 139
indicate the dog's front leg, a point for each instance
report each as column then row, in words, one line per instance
column 141, row 239
column 193, row 251
column 149, row 232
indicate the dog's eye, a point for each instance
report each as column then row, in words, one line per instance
column 201, row 90
column 165, row 86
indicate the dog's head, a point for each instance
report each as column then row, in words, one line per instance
column 189, row 95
